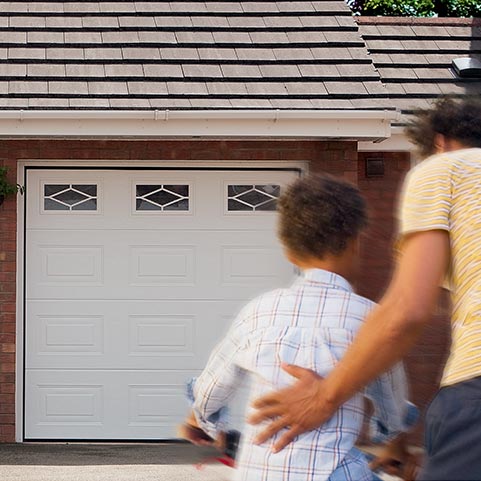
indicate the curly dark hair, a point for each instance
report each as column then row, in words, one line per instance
column 457, row 119
column 319, row 214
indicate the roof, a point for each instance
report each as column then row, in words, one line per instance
column 183, row 55
column 413, row 56
column 234, row 55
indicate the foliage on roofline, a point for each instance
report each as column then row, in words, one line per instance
column 417, row 8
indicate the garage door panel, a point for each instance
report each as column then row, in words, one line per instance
column 105, row 404
column 211, row 266
column 125, row 335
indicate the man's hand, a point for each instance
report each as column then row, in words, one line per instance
column 300, row 407
column 191, row 432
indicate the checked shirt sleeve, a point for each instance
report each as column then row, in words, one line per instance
column 393, row 414
column 212, row 390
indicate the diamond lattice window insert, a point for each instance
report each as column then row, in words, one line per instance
column 162, row 197
column 252, row 197
column 70, row 197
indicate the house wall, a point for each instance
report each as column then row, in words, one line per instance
column 339, row 158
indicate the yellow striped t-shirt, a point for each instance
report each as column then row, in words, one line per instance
column 444, row 192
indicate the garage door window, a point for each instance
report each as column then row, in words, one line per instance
column 162, row 197
column 70, row 197
column 252, row 197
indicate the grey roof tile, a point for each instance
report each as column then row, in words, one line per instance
column 163, row 70
column 454, row 44
column 333, row 53
column 346, row 88
column 460, row 31
column 201, row 70
column 83, row 37
column 12, row 70
column 421, row 88
column 88, row 103
column 3, row 87
column 283, row 22
column 354, row 71
column 327, row 103
column 375, row 88
column 430, row 31
column 210, row 21
column 319, row 21
column 65, row 53
column 13, row 37
column 157, row 37
column 305, row 88
column 179, row 54
column 18, row 7
column 100, row 22
column 64, row 22
column 146, row 53
column 3, row 22
column 217, row 54
column 306, row 37
column 344, row 37
column 103, row 53
column 280, row 71
column 232, row 37
column 68, row 88
column 43, row 102
column 291, row 103
column 120, row 37
column 298, row 54
column 81, row 7
column 117, row 7
column 383, row 44
column 435, row 73
column 13, row 103
column 42, row 7
column 188, row 7
column 392, row 30
column 130, row 104
column 453, row 88
column 241, row 71
column 250, row 103
column 26, row 53
column 419, row 45
column 25, row 21
column 119, row 70
column 295, row 7
column 436, row 58
column 187, row 88
column 152, row 7
column 226, row 88
column 324, row 6
column 269, row 37
column 108, row 88
column 394, row 89
column 406, row 58
column 3, row 53
column 87, row 70
column 147, row 88
column 170, row 103
column 46, row 70
column 246, row 22
column 173, row 22
column 316, row 70
column 194, row 37
column 369, row 103
column 211, row 103
column 266, row 88
column 256, row 7
column 398, row 73
column 31, row 87
column 145, row 22
column 45, row 37
column 227, row 7
column 255, row 54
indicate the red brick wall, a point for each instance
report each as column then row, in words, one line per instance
column 425, row 362
column 334, row 157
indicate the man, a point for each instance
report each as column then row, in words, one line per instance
column 440, row 236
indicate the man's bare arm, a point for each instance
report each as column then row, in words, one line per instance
column 387, row 335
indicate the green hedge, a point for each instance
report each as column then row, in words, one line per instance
column 417, row 8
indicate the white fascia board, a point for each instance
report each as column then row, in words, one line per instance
column 328, row 124
column 397, row 142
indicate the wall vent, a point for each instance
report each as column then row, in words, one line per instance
column 467, row 67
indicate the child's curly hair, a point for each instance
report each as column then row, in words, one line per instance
column 319, row 214
column 457, row 119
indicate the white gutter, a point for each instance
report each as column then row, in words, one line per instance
column 337, row 124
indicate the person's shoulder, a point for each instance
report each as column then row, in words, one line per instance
column 361, row 303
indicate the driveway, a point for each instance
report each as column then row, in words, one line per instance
column 108, row 462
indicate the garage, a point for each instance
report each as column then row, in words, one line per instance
column 131, row 277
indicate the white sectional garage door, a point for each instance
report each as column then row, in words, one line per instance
column 131, row 278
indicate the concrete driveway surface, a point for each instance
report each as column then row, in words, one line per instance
column 108, row 462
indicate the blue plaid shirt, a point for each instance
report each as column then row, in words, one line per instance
column 311, row 324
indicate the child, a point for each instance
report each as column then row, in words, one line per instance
column 309, row 324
